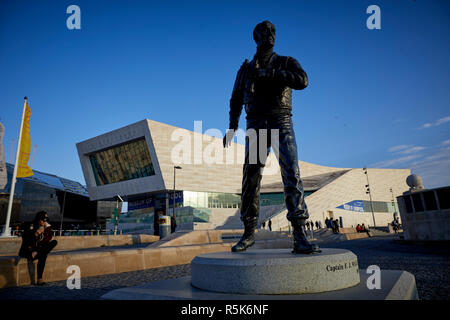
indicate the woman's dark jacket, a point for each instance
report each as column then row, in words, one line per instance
column 31, row 242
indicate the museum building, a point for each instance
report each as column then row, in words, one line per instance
column 156, row 166
column 61, row 198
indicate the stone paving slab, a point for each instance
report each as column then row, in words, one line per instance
column 395, row 285
column 429, row 265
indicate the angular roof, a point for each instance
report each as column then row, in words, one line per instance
column 310, row 183
column 206, row 165
column 53, row 181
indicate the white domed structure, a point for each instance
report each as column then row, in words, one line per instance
column 414, row 181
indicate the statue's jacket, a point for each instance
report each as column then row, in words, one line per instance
column 266, row 96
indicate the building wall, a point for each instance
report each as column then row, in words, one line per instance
column 196, row 175
column 423, row 220
column 349, row 187
column 32, row 195
column 217, row 177
column 170, row 146
column 113, row 138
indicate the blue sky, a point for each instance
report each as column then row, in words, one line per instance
column 376, row 98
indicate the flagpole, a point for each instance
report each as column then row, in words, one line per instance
column 7, row 229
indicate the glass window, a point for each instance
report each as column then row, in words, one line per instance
column 444, row 197
column 417, row 200
column 408, row 204
column 123, row 162
column 430, row 200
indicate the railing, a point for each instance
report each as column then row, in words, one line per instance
column 273, row 215
column 136, row 228
column 71, row 232
column 79, row 232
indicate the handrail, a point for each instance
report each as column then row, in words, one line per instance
column 56, row 232
column 275, row 214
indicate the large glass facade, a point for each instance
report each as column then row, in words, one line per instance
column 123, row 162
column 228, row 200
column 51, row 193
column 379, row 206
column 211, row 199
column 275, row 198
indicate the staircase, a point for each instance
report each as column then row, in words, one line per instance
column 226, row 218
column 379, row 232
column 326, row 235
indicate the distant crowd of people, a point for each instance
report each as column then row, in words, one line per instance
column 332, row 224
column 263, row 224
column 310, row 225
column 335, row 226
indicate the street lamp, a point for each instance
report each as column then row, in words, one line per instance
column 62, row 215
column 370, row 195
column 393, row 204
column 174, row 170
column 116, row 213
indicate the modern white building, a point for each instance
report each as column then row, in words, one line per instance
column 137, row 162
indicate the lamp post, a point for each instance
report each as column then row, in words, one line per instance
column 116, row 213
column 393, row 204
column 62, row 215
column 370, row 195
column 174, row 170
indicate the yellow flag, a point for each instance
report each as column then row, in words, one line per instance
column 25, row 146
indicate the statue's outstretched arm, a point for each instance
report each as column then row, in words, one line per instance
column 236, row 102
column 237, row 99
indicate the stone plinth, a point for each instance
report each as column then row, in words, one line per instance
column 396, row 285
column 275, row 271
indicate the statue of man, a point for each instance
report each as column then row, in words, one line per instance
column 264, row 85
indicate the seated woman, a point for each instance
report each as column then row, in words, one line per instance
column 37, row 243
column 364, row 229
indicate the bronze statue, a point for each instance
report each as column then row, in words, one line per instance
column 264, row 86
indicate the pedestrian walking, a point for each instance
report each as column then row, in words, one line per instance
column 173, row 224
column 336, row 225
column 156, row 217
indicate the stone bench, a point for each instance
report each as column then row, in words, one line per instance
column 357, row 235
column 11, row 246
column 100, row 262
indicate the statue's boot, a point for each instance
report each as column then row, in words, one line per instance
column 301, row 243
column 248, row 238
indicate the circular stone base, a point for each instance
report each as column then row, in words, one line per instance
column 275, row 271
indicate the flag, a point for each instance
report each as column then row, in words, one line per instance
column 25, row 146
column 3, row 175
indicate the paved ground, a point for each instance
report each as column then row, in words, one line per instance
column 430, row 265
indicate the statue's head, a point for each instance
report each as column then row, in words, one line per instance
column 264, row 34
